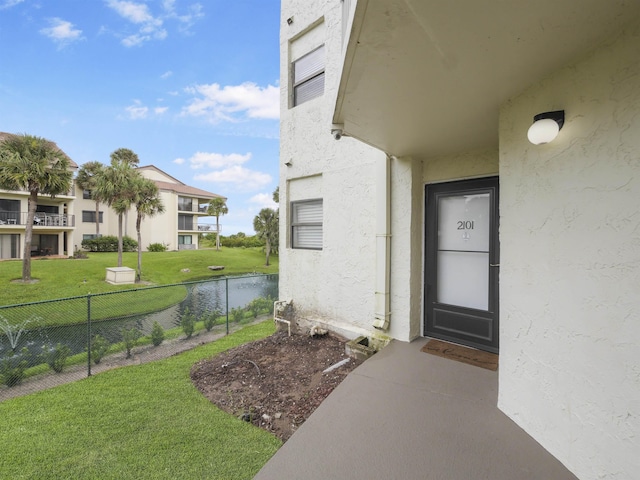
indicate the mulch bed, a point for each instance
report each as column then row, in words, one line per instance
column 274, row 383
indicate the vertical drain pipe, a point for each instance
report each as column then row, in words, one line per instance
column 383, row 244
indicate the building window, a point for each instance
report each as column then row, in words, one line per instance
column 9, row 212
column 306, row 224
column 184, row 239
column 89, row 216
column 90, row 236
column 308, row 76
column 86, row 194
column 10, row 246
column 185, row 222
column 185, row 204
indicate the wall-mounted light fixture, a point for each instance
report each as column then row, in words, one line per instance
column 545, row 127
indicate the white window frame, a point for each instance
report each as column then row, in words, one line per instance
column 314, row 75
column 183, row 238
column 91, row 215
column 297, row 224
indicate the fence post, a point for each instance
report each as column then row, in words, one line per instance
column 89, row 335
column 226, row 291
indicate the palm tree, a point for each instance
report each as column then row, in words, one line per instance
column 115, row 186
column 266, row 226
column 86, row 179
column 38, row 166
column 148, row 203
column 217, row 208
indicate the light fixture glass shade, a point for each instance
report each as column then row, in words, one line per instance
column 543, row 131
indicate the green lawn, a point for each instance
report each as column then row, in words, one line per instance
column 61, row 278
column 139, row 422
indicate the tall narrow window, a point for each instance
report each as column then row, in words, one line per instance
column 185, row 222
column 306, row 224
column 308, row 76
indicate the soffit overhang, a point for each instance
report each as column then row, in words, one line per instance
column 427, row 77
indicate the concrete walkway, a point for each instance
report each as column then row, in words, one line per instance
column 405, row 414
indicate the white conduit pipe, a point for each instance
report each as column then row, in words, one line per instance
column 280, row 308
column 383, row 244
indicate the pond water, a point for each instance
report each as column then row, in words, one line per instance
column 201, row 298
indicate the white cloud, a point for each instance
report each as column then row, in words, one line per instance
column 239, row 177
column 217, row 160
column 134, row 12
column 166, row 74
column 150, row 26
column 179, row 161
column 9, row 3
column 61, row 32
column 234, row 102
column 137, row 110
column 263, row 200
column 194, row 12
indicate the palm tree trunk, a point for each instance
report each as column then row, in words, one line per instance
column 120, row 240
column 268, row 250
column 32, row 203
column 97, row 219
column 217, row 234
column 138, row 222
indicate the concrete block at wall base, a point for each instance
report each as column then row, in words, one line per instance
column 359, row 348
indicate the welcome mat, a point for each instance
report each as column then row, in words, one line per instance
column 462, row 354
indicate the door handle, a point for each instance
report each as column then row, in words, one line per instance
column 494, row 264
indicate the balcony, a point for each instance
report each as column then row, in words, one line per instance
column 190, row 205
column 208, row 228
column 41, row 219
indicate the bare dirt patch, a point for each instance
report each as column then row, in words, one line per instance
column 274, row 383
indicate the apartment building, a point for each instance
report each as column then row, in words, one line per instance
column 61, row 223
column 178, row 227
column 53, row 227
column 418, row 199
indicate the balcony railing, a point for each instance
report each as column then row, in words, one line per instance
column 193, row 208
column 40, row 219
column 209, row 228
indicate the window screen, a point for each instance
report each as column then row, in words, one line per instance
column 89, row 216
column 306, row 224
column 308, row 76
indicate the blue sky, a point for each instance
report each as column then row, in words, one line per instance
column 191, row 87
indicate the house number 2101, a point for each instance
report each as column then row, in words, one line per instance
column 465, row 225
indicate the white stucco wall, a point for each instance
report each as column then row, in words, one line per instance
column 335, row 286
column 570, row 256
column 460, row 166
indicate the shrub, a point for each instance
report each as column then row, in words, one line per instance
column 237, row 314
column 157, row 334
column 188, row 322
column 109, row 243
column 79, row 254
column 238, row 240
column 99, row 347
column 260, row 305
column 12, row 368
column 209, row 319
column 56, row 357
column 158, row 247
column 130, row 337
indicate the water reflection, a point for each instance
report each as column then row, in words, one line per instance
column 201, row 298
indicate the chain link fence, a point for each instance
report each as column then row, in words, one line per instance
column 43, row 344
